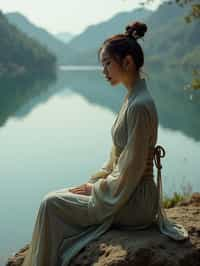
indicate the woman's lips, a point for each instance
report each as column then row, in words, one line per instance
column 108, row 78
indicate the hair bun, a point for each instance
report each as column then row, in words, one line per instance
column 136, row 29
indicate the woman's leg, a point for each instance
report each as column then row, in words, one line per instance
column 141, row 208
column 62, row 214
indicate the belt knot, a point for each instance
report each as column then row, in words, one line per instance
column 159, row 152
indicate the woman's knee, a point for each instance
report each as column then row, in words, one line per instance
column 48, row 199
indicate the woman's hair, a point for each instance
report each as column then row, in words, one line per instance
column 120, row 45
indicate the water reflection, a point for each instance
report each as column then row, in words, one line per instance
column 175, row 108
column 178, row 108
column 20, row 95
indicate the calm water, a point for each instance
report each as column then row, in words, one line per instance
column 56, row 133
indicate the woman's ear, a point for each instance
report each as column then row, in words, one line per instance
column 127, row 62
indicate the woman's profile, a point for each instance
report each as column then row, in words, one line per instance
column 123, row 192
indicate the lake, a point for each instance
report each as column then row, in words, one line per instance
column 56, row 133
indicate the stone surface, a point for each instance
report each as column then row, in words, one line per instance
column 144, row 247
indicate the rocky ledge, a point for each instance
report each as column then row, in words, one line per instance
column 143, row 248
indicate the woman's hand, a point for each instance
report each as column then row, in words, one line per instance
column 84, row 189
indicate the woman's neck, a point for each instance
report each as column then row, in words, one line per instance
column 130, row 82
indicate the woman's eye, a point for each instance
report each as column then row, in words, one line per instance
column 106, row 64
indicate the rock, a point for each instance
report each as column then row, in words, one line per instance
column 194, row 200
column 144, row 247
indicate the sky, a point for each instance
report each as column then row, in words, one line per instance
column 72, row 16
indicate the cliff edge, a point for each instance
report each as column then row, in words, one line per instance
column 144, row 247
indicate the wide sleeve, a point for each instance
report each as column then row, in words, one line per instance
column 106, row 168
column 109, row 194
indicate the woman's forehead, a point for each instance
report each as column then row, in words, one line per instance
column 104, row 55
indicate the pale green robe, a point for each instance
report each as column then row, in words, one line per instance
column 66, row 222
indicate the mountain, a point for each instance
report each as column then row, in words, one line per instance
column 64, row 36
column 59, row 48
column 169, row 39
column 88, row 42
column 94, row 35
column 20, row 54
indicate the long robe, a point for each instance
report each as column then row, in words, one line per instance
column 122, row 195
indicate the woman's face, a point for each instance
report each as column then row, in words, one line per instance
column 111, row 68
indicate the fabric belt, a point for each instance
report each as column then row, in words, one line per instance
column 148, row 171
column 154, row 154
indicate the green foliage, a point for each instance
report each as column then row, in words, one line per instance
column 194, row 12
column 196, row 80
column 192, row 58
column 169, row 202
column 19, row 53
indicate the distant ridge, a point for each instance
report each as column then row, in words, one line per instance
column 169, row 40
column 20, row 54
column 54, row 45
column 94, row 35
column 64, row 36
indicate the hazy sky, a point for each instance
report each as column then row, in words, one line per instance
column 69, row 15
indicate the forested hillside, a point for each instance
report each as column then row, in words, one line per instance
column 57, row 47
column 168, row 41
column 19, row 54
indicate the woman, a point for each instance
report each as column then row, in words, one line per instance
column 123, row 192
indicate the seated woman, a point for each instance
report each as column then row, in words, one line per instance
column 123, row 192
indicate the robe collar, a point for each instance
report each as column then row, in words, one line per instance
column 139, row 85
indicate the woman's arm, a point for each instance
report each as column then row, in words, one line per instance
column 111, row 193
column 106, row 168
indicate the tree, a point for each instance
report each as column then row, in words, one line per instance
column 194, row 12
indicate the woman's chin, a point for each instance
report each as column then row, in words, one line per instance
column 112, row 82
